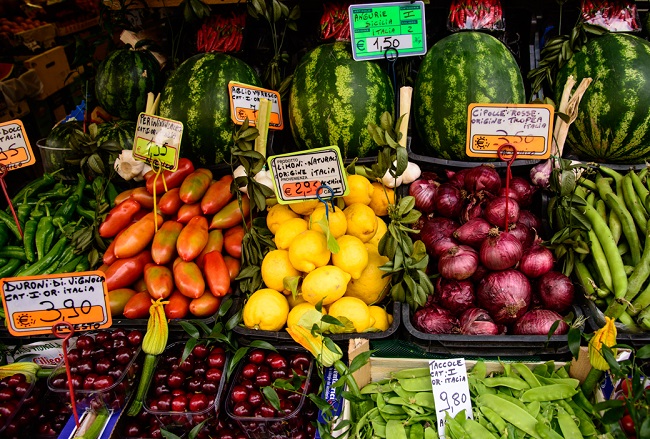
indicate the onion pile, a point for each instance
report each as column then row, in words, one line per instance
column 496, row 277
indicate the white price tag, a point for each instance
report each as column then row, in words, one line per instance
column 450, row 390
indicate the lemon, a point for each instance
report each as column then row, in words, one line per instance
column 275, row 267
column 370, row 287
column 360, row 190
column 277, row 215
column 294, row 301
column 380, row 200
column 354, row 310
column 362, row 221
column 298, row 311
column 326, row 283
column 381, row 231
column 289, row 230
column 337, row 222
column 309, row 251
column 266, row 309
column 352, row 256
column 305, row 207
column 382, row 319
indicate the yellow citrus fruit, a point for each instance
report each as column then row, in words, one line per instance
column 382, row 319
column 305, row 207
column 362, row 221
column 337, row 222
column 352, row 256
column 266, row 309
column 326, row 283
column 309, row 251
column 277, row 215
column 381, row 231
column 380, row 200
column 275, row 267
column 370, row 287
column 298, row 311
column 289, row 230
column 354, row 310
column 360, row 190
column 294, row 301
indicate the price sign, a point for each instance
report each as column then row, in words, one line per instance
column 245, row 101
column 297, row 176
column 528, row 127
column 450, row 390
column 15, row 150
column 157, row 138
column 378, row 28
column 36, row 304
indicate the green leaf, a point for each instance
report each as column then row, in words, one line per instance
column 197, row 428
column 386, row 121
column 574, row 337
column 271, row 396
column 331, row 320
column 295, row 13
column 405, row 205
column 329, row 344
column 643, row 352
column 96, row 164
column 411, row 217
column 567, row 183
column 224, row 307
column 187, row 350
column 168, row 434
column 190, row 329
column 233, row 321
column 613, row 415
column 277, row 10
column 290, row 283
column 236, row 358
column 359, row 361
column 402, row 160
column 261, row 344
column 322, row 405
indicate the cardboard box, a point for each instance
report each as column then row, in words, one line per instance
column 52, row 69
column 18, row 111
column 43, row 34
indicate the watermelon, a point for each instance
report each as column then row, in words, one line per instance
column 123, row 81
column 196, row 94
column 613, row 123
column 120, row 131
column 334, row 98
column 458, row 70
column 60, row 135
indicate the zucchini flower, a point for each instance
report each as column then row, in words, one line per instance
column 604, row 336
column 315, row 343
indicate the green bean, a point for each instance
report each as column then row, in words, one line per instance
column 600, row 260
column 628, row 269
column 591, row 198
column 614, row 225
column 549, row 392
column 623, row 248
column 632, row 202
column 644, row 318
column 584, row 278
column 546, row 432
column 494, row 418
column 627, row 222
column 639, row 188
column 511, row 413
column 567, row 425
column 585, row 182
column 476, row 430
column 527, row 375
column 601, row 209
column 610, row 173
column 641, row 302
column 510, row 382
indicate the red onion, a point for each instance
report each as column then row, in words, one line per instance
column 536, row 261
column 505, row 295
column 455, row 295
column 483, row 178
column 448, row 201
column 473, row 232
column 510, row 192
column 458, row 263
column 436, row 228
column 435, row 320
column 441, row 246
column 523, row 189
column 457, row 178
column 500, row 250
column 479, row 274
column 424, row 192
column 525, row 235
column 474, row 206
column 477, row 321
column 539, row 322
column 556, row 291
column 530, row 219
column 495, row 211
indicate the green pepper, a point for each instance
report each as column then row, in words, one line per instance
column 4, row 234
column 46, row 261
column 8, row 269
column 81, row 184
column 70, row 266
column 29, row 239
column 40, row 210
column 8, row 220
column 84, row 265
column 61, row 192
column 64, row 212
column 67, row 255
column 13, row 252
column 22, row 212
column 85, row 213
column 45, row 181
column 44, row 236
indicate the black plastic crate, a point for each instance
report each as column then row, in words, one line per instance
column 596, row 320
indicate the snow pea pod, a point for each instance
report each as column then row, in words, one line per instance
column 395, row 429
column 567, row 424
column 511, row 413
column 551, row 392
column 509, row 382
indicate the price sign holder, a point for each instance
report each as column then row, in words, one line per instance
column 450, row 389
column 376, row 28
column 245, row 103
column 298, row 175
column 158, row 139
column 528, row 127
column 15, row 149
column 36, row 304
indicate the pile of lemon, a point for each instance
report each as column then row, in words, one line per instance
column 348, row 283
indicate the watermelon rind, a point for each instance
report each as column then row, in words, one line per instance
column 460, row 69
column 334, row 98
column 120, row 131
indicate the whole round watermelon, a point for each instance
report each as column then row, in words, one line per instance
column 613, row 123
column 463, row 68
column 196, row 94
column 120, row 131
column 334, row 98
column 123, row 81
column 60, row 135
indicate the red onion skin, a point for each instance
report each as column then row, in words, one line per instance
column 523, row 189
column 523, row 233
column 455, row 296
column 479, row 274
column 448, row 201
column 495, row 211
column 477, row 321
column 473, row 232
column 435, row 320
column 556, row 291
column 424, row 192
column 436, row 228
column 441, row 246
column 505, row 295
column 536, row 261
column 483, row 178
column 511, row 193
column 474, row 206
column 458, row 263
column 539, row 322
column 457, row 178
column 501, row 251
column 530, row 219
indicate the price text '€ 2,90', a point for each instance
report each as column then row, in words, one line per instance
column 301, row 188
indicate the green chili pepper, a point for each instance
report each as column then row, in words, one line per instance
column 8, row 269
column 8, row 220
column 4, row 234
column 39, row 210
column 47, row 260
column 44, row 236
column 64, row 213
column 13, row 252
column 85, row 213
column 45, row 181
column 70, row 266
column 22, row 212
column 29, row 239
column 83, row 265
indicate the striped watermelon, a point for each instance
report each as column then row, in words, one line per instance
column 197, row 94
column 613, row 123
column 120, row 131
column 458, row 70
column 123, row 81
column 60, row 135
column 334, row 98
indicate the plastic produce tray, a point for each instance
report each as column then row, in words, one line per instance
column 27, row 387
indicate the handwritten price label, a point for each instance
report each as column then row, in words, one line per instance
column 36, row 304
column 245, row 101
column 450, row 389
column 158, row 139
column 300, row 188
column 15, row 149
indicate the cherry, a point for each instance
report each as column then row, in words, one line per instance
column 103, row 382
column 84, row 367
column 263, row 379
column 276, row 361
column 198, row 402
column 120, row 332
column 279, row 374
column 249, row 370
column 6, row 394
column 176, row 379
column 160, row 375
column 134, row 337
column 255, row 398
column 209, row 388
column 248, row 384
column 165, row 402
column 194, row 384
column 187, row 365
column 85, row 341
column 267, row 411
column 120, row 342
column 300, row 362
column 123, row 355
column 7, row 408
column 89, row 381
column 242, row 409
column 179, row 403
column 217, row 359
column 238, row 393
column 102, row 336
column 178, row 392
column 199, row 369
column 213, row 375
column 73, row 356
column 286, row 407
column 116, row 372
column 103, row 366
column 256, row 356
column 200, row 351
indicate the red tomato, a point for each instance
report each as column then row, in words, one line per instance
column 138, row 306
column 232, row 241
column 205, row 306
column 178, row 306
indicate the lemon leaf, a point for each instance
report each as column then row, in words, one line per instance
column 332, row 245
column 291, row 283
column 346, row 326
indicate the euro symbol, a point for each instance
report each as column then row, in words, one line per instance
column 287, row 191
column 23, row 320
column 361, row 45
